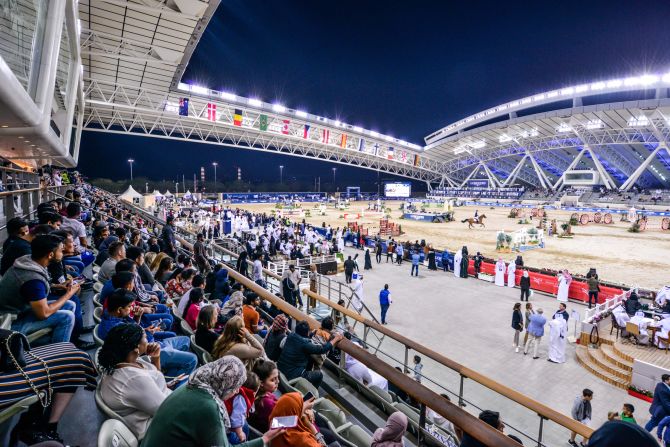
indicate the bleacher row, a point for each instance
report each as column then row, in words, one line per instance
column 348, row 431
column 511, row 193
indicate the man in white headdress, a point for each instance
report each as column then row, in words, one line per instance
column 662, row 296
column 564, row 280
column 458, row 256
column 357, row 298
column 558, row 331
column 500, row 273
column 511, row 274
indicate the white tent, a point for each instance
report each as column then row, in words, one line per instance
column 130, row 195
column 157, row 194
column 188, row 193
column 168, row 194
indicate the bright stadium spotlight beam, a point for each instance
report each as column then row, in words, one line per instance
column 278, row 108
column 229, row 96
column 255, row 102
column 301, row 113
column 131, row 161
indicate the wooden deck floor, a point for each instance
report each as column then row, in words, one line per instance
column 625, row 348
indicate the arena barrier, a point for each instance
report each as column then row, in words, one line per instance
column 568, row 208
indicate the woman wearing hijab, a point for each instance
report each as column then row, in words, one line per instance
column 196, row 415
column 305, row 434
column 233, row 306
column 464, row 262
column 391, row 435
column 274, row 339
column 564, row 280
column 431, row 260
column 368, row 260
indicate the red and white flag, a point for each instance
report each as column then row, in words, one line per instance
column 284, row 127
column 325, row 138
column 211, row 111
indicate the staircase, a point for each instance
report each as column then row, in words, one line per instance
column 607, row 363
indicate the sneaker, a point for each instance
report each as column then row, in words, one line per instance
column 516, row 350
column 572, row 443
column 85, row 345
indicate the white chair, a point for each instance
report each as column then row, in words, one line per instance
column 186, row 328
column 97, row 315
column 99, row 341
column 114, row 433
column 96, row 300
column 98, row 287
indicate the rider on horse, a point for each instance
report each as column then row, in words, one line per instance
column 476, row 216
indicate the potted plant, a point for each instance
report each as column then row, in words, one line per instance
column 645, row 395
column 508, row 239
column 500, row 241
column 635, row 228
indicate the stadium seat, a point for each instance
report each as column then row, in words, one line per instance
column 343, row 442
column 99, row 341
column 354, row 434
column 114, row 433
column 96, row 300
column 95, row 276
column 284, row 385
column 412, row 415
column 104, row 408
column 200, row 352
column 331, row 412
column 207, row 357
column 97, row 315
column 186, row 328
column 384, row 398
column 17, row 407
column 6, row 323
column 303, row 386
column 97, row 287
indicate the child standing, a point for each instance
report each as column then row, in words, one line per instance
column 627, row 413
column 239, row 407
column 418, row 366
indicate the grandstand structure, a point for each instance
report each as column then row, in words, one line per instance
column 116, row 66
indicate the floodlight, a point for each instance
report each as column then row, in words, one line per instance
column 255, row 102
column 199, row 89
column 278, row 108
column 301, row 114
column 228, row 96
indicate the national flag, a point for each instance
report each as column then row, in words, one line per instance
column 343, row 141
column 305, row 131
column 284, row 127
column 376, row 148
column 389, row 153
column 325, row 136
column 237, row 117
column 403, row 157
column 416, row 160
column 183, row 106
column 211, row 111
column 361, row 145
column 263, row 122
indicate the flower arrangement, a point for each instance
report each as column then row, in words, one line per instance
column 599, row 317
column 637, row 390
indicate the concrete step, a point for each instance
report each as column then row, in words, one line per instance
column 586, row 361
column 613, row 357
column 598, row 357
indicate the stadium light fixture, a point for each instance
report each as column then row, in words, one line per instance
column 182, row 86
column 278, row 108
column 581, row 88
column 504, row 138
column 460, row 149
column 374, row 134
column 228, row 96
column 639, row 121
column 563, row 128
column 478, row 144
column 552, row 94
column 649, row 79
column 597, row 86
column 199, row 89
column 301, row 113
column 255, row 102
column 594, row 124
column 666, row 78
column 567, row 91
column 614, row 83
column 358, row 129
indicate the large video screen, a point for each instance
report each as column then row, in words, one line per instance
column 397, row 189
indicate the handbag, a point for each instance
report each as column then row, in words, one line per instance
column 14, row 347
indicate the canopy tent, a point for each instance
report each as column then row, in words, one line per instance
column 188, row 193
column 130, row 195
column 168, row 194
column 157, row 194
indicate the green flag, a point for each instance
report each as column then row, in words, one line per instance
column 263, row 122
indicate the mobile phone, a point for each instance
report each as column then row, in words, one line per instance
column 284, row 422
column 177, row 379
column 307, row 396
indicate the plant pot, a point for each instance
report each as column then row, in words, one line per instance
column 640, row 396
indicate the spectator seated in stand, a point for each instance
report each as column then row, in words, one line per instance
column 16, row 245
column 24, row 290
column 131, row 386
column 252, row 319
column 192, row 310
column 236, row 340
column 146, row 278
column 117, row 252
column 268, row 375
column 198, row 282
column 195, row 415
column 295, row 355
column 205, row 335
column 175, row 356
column 276, row 337
column 239, row 407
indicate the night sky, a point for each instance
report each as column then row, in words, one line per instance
column 400, row 68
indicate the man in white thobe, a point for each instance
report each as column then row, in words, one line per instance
column 500, row 273
column 511, row 274
column 357, row 298
column 458, row 256
column 558, row 331
column 662, row 296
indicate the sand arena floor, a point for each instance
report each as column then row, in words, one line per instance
column 631, row 258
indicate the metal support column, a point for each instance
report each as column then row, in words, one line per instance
column 638, row 172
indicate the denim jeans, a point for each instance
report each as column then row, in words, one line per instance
column 75, row 261
column 385, row 308
column 162, row 312
column 78, row 318
column 62, row 322
column 414, row 267
column 234, row 439
column 653, row 422
column 176, row 358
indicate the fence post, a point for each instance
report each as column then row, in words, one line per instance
column 539, row 435
column 422, row 424
column 460, row 392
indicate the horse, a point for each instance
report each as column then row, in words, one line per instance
column 471, row 221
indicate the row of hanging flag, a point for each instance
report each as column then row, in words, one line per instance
column 322, row 135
